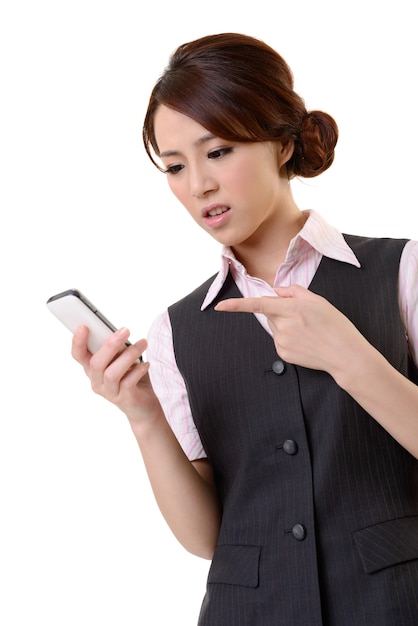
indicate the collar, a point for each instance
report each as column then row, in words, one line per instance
column 316, row 234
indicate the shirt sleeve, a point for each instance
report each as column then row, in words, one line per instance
column 170, row 388
column 408, row 295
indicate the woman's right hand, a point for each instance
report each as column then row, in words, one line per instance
column 116, row 374
column 185, row 491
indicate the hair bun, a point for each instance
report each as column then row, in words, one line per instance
column 315, row 147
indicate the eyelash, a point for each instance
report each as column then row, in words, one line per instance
column 173, row 169
column 213, row 154
column 220, row 152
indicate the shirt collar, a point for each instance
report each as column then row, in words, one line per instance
column 324, row 238
column 316, row 233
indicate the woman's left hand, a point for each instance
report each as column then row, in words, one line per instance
column 310, row 332
column 307, row 329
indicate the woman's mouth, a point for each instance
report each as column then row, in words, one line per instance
column 216, row 215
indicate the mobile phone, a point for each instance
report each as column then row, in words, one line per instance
column 73, row 309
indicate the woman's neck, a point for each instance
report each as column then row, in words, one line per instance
column 263, row 255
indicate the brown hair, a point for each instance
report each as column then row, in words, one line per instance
column 240, row 89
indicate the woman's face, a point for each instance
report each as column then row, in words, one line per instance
column 234, row 191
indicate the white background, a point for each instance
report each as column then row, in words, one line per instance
column 81, row 540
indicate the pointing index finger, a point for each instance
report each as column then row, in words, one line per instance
column 244, row 305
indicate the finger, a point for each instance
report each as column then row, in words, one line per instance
column 134, row 374
column 264, row 305
column 106, row 354
column 114, row 371
column 127, row 357
column 79, row 350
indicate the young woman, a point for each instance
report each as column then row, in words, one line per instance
column 277, row 414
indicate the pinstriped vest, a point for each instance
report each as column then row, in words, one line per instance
column 320, row 504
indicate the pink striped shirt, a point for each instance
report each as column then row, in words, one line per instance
column 317, row 238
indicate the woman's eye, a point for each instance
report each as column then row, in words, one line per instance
column 173, row 169
column 218, row 153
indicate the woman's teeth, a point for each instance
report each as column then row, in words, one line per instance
column 217, row 211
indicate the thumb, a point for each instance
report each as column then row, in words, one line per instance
column 293, row 291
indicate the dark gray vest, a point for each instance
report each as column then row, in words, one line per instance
column 320, row 504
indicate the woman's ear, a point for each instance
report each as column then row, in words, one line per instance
column 285, row 151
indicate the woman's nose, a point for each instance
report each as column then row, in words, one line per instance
column 201, row 183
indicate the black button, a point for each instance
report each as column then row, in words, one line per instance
column 279, row 367
column 299, row 532
column 290, row 446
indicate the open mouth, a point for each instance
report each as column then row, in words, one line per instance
column 216, row 211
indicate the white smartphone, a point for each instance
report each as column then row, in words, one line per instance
column 73, row 309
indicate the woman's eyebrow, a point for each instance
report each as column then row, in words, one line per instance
column 198, row 142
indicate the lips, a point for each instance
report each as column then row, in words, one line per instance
column 216, row 216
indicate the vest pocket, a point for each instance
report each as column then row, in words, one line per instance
column 235, row 565
column 388, row 543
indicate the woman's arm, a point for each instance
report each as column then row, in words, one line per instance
column 184, row 490
column 382, row 391
column 310, row 332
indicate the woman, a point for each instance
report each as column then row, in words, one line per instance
column 283, row 444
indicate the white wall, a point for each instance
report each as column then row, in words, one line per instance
column 81, row 540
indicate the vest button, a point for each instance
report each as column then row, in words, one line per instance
column 290, row 446
column 279, row 367
column 299, row 532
